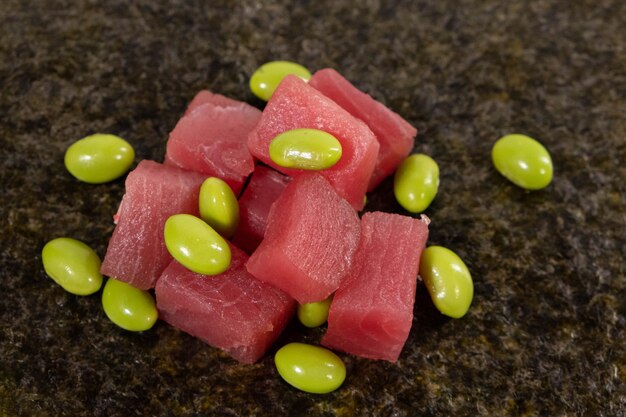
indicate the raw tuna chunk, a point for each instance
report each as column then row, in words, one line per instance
column 295, row 105
column 372, row 311
column 211, row 140
column 137, row 252
column 310, row 240
column 205, row 96
column 263, row 189
column 395, row 135
column 231, row 311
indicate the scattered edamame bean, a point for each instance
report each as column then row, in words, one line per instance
column 310, row 368
column 314, row 314
column 99, row 158
column 128, row 307
column 523, row 161
column 73, row 265
column 196, row 245
column 219, row 207
column 448, row 281
column 267, row 77
column 309, row 149
column 416, row 182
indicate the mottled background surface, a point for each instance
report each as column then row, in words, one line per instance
column 546, row 332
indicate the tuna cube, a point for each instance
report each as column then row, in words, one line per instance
column 205, row 96
column 211, row 139
column 395, row 135
column 295, row 105
column 372, row 311
column 137, row 253
column 231, row 311
column 310, row 240
column 264, row 187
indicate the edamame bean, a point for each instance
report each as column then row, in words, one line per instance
column 309, row 149
column 267, row 77
column 314, row 314
column 310, row 368
column 99, row 158
column 196, row 245
column 523, row 161
column 73, row 265
column 416, row 182
column 448, row 281
column 128, row 307
column 219, row 207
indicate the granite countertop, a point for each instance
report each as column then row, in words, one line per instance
column 546, row 332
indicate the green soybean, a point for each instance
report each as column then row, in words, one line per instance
column 310, row 368
column 219, row 207
column 416, row 182
column 309, row 149
column 99, row 158
column 448, row 281
column 523, row 161
column 314, row 314
column 73, row 265
column 128, row 307
column 267, row 77
column 196, row 245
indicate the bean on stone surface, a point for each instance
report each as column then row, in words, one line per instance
column 310, row 368
column 523, row 161
column 128, row 307
column 99, row 158
column 416, row 182
column 73, row 265
column 448, row 280
column 314, row 314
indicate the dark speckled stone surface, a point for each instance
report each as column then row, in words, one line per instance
column 546, row 334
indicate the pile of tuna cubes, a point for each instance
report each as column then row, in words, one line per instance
column 300, row 238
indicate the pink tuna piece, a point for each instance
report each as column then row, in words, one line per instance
column 205, row 96
column 231, row 311
column 137, row 253
column 310, row 240
column 395, row 135
column 372, row 311
column 211, row 140
column 294, row 105
column 264, row 187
